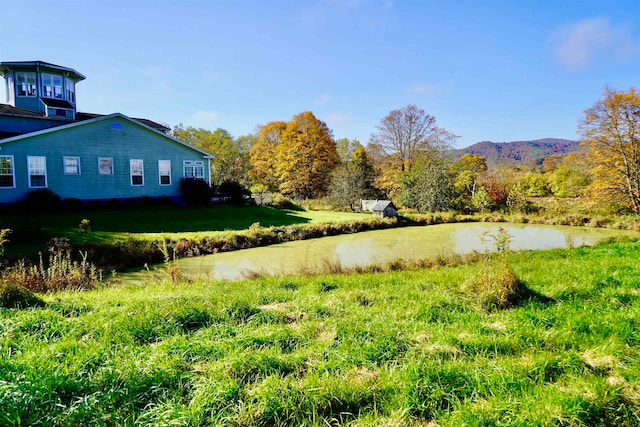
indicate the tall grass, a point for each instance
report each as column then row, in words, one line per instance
column 396, row 348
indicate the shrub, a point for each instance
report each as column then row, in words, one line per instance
column 42, row 200
column 195, row 191
column 281, row 202
column 15, row 296
column 71, row 204
column 233, row 192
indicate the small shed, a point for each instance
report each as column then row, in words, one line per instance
column 384, row 209
column 367, row 205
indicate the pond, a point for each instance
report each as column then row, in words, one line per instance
column 382, row 246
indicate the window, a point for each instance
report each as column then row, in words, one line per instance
column 164, row 170
column 71, row 165
column 51, row 86
column 71, row 90
column 137, row 171
column 37, row 167
column 6, row 172
column 26, row 84
column 105, row 166
column 193, row 169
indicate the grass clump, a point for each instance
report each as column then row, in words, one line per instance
column 496, row 287
column 15, row 296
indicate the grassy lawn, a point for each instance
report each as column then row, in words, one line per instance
column 395, row 349
column 34, row 230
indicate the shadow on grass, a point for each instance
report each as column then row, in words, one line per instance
column 32, row 231
column 531, row 296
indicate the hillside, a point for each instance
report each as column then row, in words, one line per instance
column 518, row 152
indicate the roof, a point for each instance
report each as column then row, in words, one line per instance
column 382, row 205
column 10, row 110
column 70, row 72
column 157, row 126
column 57, row 103
column 99, row 119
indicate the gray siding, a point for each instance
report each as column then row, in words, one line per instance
column 90, row 141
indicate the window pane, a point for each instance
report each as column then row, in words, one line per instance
column 6, row 166
column 57, row 87
column 37, row 181
column 105, row 166
column 6, row 171
column 72, row 166
column 164, row 170
column 37, row 171
column 136, row 169
column 6, row 181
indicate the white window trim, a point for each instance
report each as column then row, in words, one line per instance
column 193, row 164
column 64, row 165
column 160, row 174
column 131, row 175
column 13, row 173
column 35, row 83
column 29, row 171
column 112, row 167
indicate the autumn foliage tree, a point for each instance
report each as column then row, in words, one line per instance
column 230, row 160
column 353, row 178
column 306, row 156
column 264, row 156
column 611, row 130
column 408, row 133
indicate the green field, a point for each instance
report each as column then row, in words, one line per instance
column 395, row 349
column 32, row 231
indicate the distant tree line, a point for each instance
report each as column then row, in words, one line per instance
column 406, row 161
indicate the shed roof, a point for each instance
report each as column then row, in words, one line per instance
column 382, row 205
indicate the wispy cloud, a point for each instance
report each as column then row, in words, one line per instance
column 578, row 45
column 372, row 13
column 210, row 77
column 324, row 99
column 204, row 118
column 338, row 118
column 425, row 89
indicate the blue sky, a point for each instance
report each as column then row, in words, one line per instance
column 487, row 70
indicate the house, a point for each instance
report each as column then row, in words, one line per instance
column 384, row 209
column 46, row 143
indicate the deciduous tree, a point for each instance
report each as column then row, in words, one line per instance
column 408, row 132
column 429, row 185
column 353, row 179
column 264, row 156
column 611, row 130
column 306, row 157
column 230, row 158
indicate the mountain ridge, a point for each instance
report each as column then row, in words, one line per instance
column 527, row 152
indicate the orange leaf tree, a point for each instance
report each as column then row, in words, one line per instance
column 306, row 156
column 611, row 130
column 263, row 156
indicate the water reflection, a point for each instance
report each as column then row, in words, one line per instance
column 382, row 246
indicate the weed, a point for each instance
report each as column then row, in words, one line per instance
column 60, row 273
column 84, row 227
column 4, row 232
